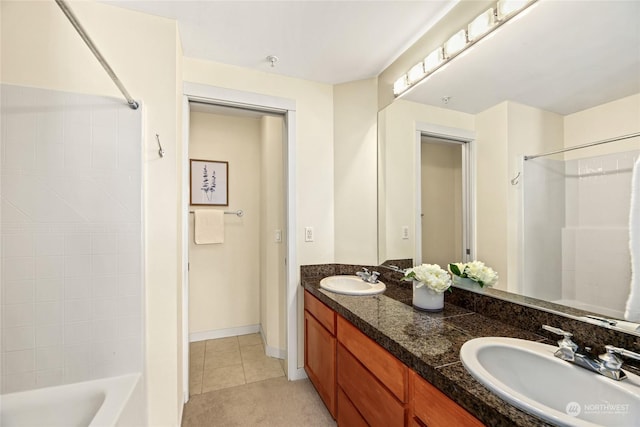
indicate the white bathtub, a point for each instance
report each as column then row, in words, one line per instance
column 115, row 401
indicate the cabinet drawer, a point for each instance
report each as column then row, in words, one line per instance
column 321, row 312
column 348, row 415
column 434, row 409
column 389, row 370
column 374, row 402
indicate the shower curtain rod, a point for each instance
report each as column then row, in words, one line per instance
column 590, row 144
column 83, row 34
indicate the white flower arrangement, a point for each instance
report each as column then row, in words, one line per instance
column 429, row 275
column 476, row 271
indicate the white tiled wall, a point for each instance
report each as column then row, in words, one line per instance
column 592, row 237
column 597, row 265
column 71, row 218
column 544, row 194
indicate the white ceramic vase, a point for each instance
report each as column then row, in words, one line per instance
column 427, row 299
column 466, row 283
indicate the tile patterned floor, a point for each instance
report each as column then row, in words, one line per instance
column 229, row 362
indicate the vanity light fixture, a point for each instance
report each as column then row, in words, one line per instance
column 481, row 25
column 433, row 60
column 476, row 30
column 401, row 85
column 510, row 7
column 455, row 44
column 416, row 73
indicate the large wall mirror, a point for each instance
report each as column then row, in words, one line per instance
column 555, row 227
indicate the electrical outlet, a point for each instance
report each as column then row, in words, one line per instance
column 308, row 234
column 405, row 232
column 278, row 236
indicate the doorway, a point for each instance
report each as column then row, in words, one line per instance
column 267, row 272
column 441, row 201
column 445, row 199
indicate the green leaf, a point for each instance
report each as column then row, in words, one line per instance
column 454, row 269
column 410, row 276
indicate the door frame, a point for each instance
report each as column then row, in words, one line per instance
column 467, row 139
column 269, row 104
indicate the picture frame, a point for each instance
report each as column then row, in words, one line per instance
column 209, row 180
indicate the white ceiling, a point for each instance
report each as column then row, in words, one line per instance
column 324, row 41
column 562, row 55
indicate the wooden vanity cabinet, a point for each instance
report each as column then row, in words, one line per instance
column 432, row 408
column 362, row 384
column 320, row 349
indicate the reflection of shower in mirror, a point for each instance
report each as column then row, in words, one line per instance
column 576, row 231
column 632, row 311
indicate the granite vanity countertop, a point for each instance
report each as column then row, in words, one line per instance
column 429, row 343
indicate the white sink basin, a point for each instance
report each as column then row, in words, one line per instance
column 528, row 375
column 351, row 285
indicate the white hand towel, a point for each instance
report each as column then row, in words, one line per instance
column 632, row 312
column 209, row 226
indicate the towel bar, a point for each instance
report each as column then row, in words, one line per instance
column 239, row 212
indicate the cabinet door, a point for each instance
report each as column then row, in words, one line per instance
column 320, row 360
column 433, row 408
column 375, row 402
column 348, row 415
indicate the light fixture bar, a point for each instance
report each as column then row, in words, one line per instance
column 481, row 26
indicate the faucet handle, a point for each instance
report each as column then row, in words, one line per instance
column 565, row 342
column 557, row 331
column 611, row 359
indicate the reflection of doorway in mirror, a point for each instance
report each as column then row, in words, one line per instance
column 442, row 198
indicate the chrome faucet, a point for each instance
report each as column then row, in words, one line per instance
column 392, row 268
column 607, row 364
column 369, row 277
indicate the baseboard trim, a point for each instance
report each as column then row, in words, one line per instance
column 223, row 333
column 278, row 353
column 298, row 374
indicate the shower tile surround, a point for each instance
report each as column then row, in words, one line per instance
column 71, row 233
column 429, row 343
column 579, row 242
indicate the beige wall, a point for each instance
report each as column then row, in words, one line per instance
column 224, row 279
column 441, row 190
column 314, row 157
column 397, row 138
column 355, row 156
column 272, row 253
column 507, row 132
column 491, row 189
column 40, row 48
column 610, row 120
column 314, row 153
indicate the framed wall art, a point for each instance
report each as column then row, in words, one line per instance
column 209, row 182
